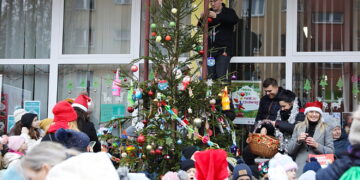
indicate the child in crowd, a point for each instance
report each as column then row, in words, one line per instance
column 17, row 147
column 282, row 167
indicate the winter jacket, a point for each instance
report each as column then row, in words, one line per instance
column 341, row 144
column 89, row 129
column 340, row 166
column 221, row 32
column 269, row 108
column 301, row 151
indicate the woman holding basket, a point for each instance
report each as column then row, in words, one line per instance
column 312, row 136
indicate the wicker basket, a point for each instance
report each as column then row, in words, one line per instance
column 263, row 145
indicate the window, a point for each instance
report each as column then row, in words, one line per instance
column 260, row 33
column 328, row 18
column 328, row 26
column 23, row 83
column 335, row 84
column 79, row 36
column 85, row 4
column 25, row 28
column 257, row 8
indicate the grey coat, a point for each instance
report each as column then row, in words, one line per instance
column 301, row 150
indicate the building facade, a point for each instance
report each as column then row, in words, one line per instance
column 54, row 49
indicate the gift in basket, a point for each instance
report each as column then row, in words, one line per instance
column 262, row 145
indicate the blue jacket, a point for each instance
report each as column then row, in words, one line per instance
column 341, row 144
column 340, row 166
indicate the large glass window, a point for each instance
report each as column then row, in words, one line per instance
column 21, row 83
column 25, row 28
column 261, row 29
column 97, row 81
column 97, row 27
column 328, row 25
column 335, row 84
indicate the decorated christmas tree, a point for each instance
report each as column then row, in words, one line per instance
column 177, row 108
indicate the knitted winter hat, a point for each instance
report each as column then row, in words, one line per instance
column 15, row 142
column 312, row 165
column 314, row 106
column 63, row 114
column 72, row 139
column 18, row 114
column 82, row 102
column 131, row 131
column 187, row 164
column 189, row 151
column 27, row 119
column 355, row 128
column 211, row 165
column 241, row 170
column 45, row 124
column 333, row 123
column 170, row 176
column 278, row 166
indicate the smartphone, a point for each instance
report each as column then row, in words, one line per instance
column 92, row 144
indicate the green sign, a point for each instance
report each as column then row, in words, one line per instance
column 246, row 99
column 32, row 107
column 111, row 111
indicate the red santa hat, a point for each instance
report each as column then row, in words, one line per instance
column 211, row 165
column 313, row 106
column 82, row 102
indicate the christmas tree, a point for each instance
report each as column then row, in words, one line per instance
column 177, row 108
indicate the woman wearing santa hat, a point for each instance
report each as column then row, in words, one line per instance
column 312, row 136
column 81, row 106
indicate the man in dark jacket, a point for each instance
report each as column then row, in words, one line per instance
column 335, row 170
column 269, row 104
column 221, row 37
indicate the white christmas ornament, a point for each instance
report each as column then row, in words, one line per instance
column 212, row 101
column 124, row 155
column 197, row 122
column 174, row 10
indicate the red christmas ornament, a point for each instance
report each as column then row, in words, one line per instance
column 242, row 94
column 134, row 68
column 125, row 79
column 152, row 152
column 114, row 126
column 167, row 38
column 210, row 19
column 158, row 152
column 144, row 121
column 130, row 109
column 201, row 52
column 141, row 139
column 153, row 34
column 150, row 93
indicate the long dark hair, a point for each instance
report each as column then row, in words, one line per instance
column 16, row 131
column 82, row 119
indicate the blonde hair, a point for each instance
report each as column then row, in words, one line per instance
column 322, row 125
column 73, row 126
